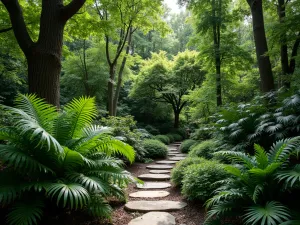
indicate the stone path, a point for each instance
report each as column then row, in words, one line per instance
column 157, row 209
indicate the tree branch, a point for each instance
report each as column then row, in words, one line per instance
column 71, row 9
column 5, row 30
column 18, row 24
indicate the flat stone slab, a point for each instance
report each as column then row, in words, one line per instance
column 177, row 158
column 149, row 194
column 159, row 171
column 154, row 218
column 160, row 167
column 148, row 206
column 153, row 185
column 166, row 162
column 154, row 177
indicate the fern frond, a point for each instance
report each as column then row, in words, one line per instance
column 21, row 161
column 290, row 177
column 37, row 108
column 26, row 213
column 71, row 195
column 238, row 157
column 82, row 111
column 261, row 156
column 270, row 214
column 98, row 207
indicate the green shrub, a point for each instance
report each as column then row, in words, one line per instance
column 204, row 149
column 163, row 138
column 59, row 158
column 177, row 137
column 170, row 136
column 152, row 130
column 155, row 149
column 178, row 171
column 199, row 180
column 186, row 145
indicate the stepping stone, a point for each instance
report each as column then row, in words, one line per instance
column 149, row 194
column 159, row 171
column 148, row 206
column 154, row 218
column 177, row 158
column 166, row 162
column 154, row 177
column 153, row 185
column 160, row 167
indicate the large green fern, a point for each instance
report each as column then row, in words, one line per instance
column 59, row 156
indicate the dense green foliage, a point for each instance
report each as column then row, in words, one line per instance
column 261, row 186
column 186, row 145
column 178, row 171
column 200, row 180
column 59, row 157
column 163, row 138
column 204, row 149
column 155, row 149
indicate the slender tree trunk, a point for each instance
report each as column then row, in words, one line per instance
column 283, row 46
column 111, row 86
column 44, row 56
column 120, row 75
column 264, row 64
column 217, row 40
column 176, row 119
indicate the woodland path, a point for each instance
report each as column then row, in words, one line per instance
column 157, row 201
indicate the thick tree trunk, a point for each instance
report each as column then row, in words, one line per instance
column 44, row 59
column 264, row 64
column 44, row 56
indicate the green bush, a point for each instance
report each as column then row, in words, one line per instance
column 177, row 137
column 178, row 171
column 152, row 130
column 163, row 138
column 59, row 158
column 155, row 149
column 170, row 136
column 186, row 145
column 199, row 180
column 204, row 149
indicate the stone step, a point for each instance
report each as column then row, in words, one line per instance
column 154, row 177
column 159, row 171
column 159, row 167
column 154, row 218
column 177, row 155
column 149, row 194
column 153, row 185
column 166, row 162
column 177, row 158
column 148, row 206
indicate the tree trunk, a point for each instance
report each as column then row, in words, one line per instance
column 176, row 119
column 283, row 46
column 44, row 56
column 120, row 75
column 110, row 90
column 264, row 64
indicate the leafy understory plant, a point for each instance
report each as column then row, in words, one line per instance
column 258, row 186
column 59, row 157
